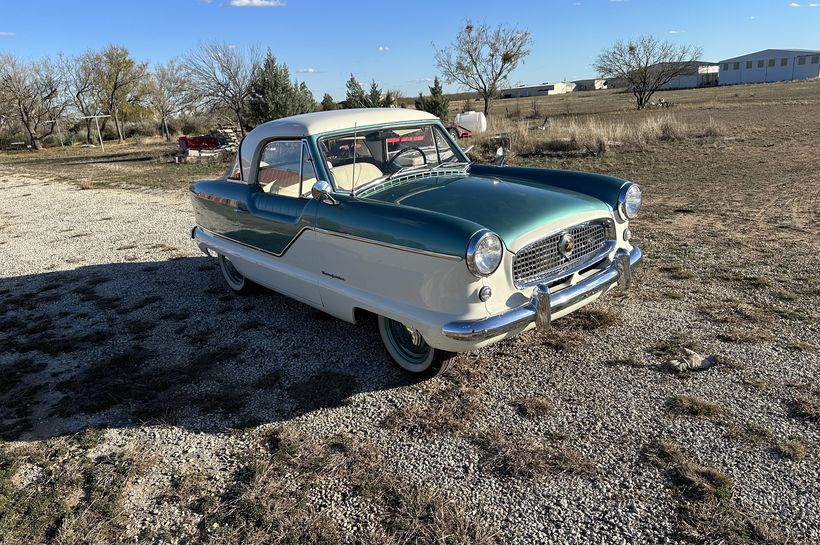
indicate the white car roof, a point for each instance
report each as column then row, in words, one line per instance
column 322, row 122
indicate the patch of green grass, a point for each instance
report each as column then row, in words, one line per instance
column 805, row 408
column 526, row 458
column 533, row 406
column 676, row 272
column 693, row 406
column 694, row 480
column 791, row 449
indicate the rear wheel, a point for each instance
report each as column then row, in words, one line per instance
column 410, row 351
column 235, row 280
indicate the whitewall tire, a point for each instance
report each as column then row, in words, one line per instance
column 410, row 351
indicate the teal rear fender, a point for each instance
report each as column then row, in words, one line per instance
column 600, row 186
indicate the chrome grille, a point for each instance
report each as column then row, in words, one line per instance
column 542, row 259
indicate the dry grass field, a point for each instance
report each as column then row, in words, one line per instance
column 141, row 402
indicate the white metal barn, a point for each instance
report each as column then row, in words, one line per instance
column 770, row 65
column 698, row 74
column 537, row 90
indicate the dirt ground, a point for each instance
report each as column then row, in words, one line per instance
column 140, row 401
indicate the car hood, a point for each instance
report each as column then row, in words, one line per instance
column 508, row 207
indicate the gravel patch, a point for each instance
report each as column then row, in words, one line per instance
column 195, row 377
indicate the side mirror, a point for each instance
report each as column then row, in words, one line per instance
column 500, row 156
column 321, row 192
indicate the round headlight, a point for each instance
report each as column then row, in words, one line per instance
column 629, row 201
column 484, row 253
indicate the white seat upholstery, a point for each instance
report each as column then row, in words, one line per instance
column 344, row 175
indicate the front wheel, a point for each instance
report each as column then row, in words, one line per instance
column 410, row 351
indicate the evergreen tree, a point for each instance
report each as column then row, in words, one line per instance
column 437, row 104
column 356, row 97
column 373, row 98
column 274, row 95
column 328, row 103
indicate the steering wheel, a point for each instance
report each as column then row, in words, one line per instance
column 392, row 163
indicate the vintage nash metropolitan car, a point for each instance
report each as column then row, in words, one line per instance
column 380, row 211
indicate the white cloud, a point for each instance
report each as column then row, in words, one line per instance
column 676, row 31
column 309, row 71
column 794, row 5
column 752, row 17
column 384, row 48
column 257, row 3
column 576, row 3
column 814, row 5
column 617, row 1
column 8, row 34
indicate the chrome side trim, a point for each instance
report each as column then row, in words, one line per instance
column 335, row 234
column 387, row 244
column 543, row 304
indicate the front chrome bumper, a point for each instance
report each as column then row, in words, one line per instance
column 543, row 304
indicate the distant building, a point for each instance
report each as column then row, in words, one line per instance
column 698, row 74
column 771, row 65
column 537, row 90
column 590, row 84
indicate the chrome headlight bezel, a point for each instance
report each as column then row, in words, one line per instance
column 630, row 194
column 481, row 243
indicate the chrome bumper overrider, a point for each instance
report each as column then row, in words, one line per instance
column 543, row 304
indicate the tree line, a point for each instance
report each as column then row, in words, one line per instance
column 247, row 88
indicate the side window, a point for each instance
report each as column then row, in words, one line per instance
column 233, row 172
column 736, row 66
column 771, row 62
column 815, row 59
column 308, row 171
column 725, row 65
column 801, row 60
column 784, row 61
column 444, row 148
column 760, row 63
column 280, row 167
column 748, row 64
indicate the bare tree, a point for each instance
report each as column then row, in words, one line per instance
column 80, row 80
column 482, row 59
column 646, row 64
column 119, row 80
column 31, row 93
column 170, row 93
column 222, row 75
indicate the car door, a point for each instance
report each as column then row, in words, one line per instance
column 278, row 214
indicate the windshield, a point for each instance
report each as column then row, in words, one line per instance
column 358, row 158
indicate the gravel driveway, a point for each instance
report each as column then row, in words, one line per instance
column 113, row 320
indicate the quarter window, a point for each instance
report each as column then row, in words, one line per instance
column 281, row 164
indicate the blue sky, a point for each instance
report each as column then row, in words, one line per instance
column 393, row 42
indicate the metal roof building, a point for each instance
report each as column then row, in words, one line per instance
column 770, row 65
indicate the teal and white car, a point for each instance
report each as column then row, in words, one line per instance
column 380, row 211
